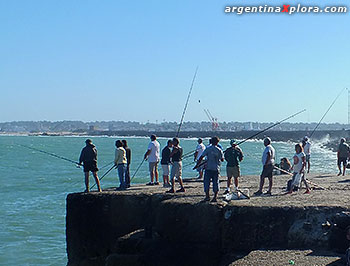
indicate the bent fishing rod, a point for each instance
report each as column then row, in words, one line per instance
column 51, row 154
column 188, row 98
column 327, row 112
column 262, row 131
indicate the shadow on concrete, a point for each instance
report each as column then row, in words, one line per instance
column 324, row 253
column 324, row 176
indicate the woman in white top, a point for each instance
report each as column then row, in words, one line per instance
column 299, row 163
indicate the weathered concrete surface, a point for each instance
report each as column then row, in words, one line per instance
column 288, row 257
column 181, row 228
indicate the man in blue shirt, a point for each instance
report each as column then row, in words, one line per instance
column 214, row 156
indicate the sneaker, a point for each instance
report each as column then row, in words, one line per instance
column 226, row 192
column 120, row 188
column 156, row 183
column 339, row 173
column 170, row 191
column 267, row 193
column 258, row 193
column 181, row 190
column 150, row 184
column 206, row 199
column 307, row 192
column 214, row 200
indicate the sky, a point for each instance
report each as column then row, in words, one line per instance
column 135, row 60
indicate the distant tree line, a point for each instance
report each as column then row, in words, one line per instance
column 79, row 126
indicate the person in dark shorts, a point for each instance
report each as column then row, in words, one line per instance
column 165, row 162
column 343, row 155
column 88, row 157
column 268, row 160
column 128, row 160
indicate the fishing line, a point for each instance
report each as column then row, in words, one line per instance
column 188, row 98
column 51, row 154
column 327, row 112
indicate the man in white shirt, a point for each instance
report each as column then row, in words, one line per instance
column 307, row 150
column 268, row 160
column 199, row 150
column 152, row 154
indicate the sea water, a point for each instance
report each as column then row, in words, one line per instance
column 34, row 186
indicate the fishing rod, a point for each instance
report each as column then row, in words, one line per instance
column 51, row 154
column 137, row 170
column 262, row 131
column 258, row 133
column 327, row 112
column 308, row 181
column 188, row 154
column 266, row 129
column 106, row 165
column 188, row 98
column 110, row 169
column 188, row 164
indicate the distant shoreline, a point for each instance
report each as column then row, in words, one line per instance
column 333, row 135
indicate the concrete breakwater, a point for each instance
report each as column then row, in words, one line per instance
column 145, row 226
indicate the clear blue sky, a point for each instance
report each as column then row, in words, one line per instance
column 134, row 60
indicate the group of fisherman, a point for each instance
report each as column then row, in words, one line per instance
column 122, row 160
column 208, row 161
